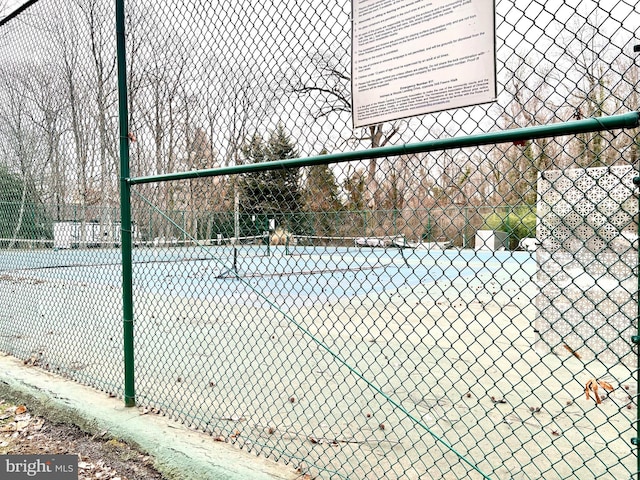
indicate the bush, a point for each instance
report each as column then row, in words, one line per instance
column 518, row 222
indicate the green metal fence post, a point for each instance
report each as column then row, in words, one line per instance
column 125, row 212
column 636, row 342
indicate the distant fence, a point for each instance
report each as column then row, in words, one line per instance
column 100, row 226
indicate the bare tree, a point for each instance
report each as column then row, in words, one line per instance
column 160, row 107
column 20, row 145
column 627, row 98
column 399, row 176
column 43, row 89
column 4, row 8
column 103, row 87
column 322, row 79
column 517, row 168
column 67, row 41
column 588, row 53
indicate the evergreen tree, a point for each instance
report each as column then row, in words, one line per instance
column 22, row 215
column 321, row 199
column 276, row 193
column 355, row 187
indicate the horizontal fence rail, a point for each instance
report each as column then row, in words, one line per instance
column 589, row 125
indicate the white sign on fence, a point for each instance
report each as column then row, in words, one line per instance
column 412, row 57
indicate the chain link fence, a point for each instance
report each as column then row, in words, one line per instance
column 459, row 313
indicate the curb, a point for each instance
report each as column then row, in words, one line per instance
column 179, row 453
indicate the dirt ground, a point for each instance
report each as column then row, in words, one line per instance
column 99, row 456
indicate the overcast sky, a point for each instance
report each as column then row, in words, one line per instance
column 8, row 6
column 545, row 34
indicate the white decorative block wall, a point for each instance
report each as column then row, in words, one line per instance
column 587, row 224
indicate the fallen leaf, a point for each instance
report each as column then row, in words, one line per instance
column 592, row 387
column 572, row 351
column 100, row 434
column 605, row 385
column 9, row 427
column 20, row 410
column 233, row 418
column 20, row 426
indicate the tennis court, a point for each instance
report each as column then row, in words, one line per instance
column 330, row 272
column 367, row 359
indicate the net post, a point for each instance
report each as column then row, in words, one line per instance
column 235, row 260
column 267, row 240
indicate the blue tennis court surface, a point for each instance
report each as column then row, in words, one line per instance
column 291, row 276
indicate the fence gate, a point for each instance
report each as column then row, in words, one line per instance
column 447, row 296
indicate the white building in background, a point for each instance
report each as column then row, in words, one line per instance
column 72, row 234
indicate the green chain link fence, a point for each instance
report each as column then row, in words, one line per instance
column 448, row 296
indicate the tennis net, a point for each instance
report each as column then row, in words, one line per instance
column 22, row 254
column 310, row 244
column 219, row 241
column 24, row 244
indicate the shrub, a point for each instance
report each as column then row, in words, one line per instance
column 518, row 222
